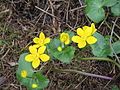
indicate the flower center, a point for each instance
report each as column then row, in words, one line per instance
column 65, row 38
column 41, row 42
column 84, row 38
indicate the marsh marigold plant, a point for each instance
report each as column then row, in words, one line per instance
column 60, row 49
column 85, row 35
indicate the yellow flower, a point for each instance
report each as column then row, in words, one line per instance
column 34, row 85
column 85, row 35
column 36, row 55
column 41, row 41
column 24, row 73
column 59, row 48
column 64, row 37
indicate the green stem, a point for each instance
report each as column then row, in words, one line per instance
column 102, row 59
column 80, row 72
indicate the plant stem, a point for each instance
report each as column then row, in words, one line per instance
column 80, row 72
column 102, row 59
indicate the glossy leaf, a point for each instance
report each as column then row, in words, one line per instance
column 40, row 80
column 23, row 65
column 94, row 10
column 116, row 9
column 65, row 55
column 109, row 3
column 115, row 87
column 116, row 47
column 102, row 47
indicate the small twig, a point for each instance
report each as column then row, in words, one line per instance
column 103, row 21
column 114, row 32
column 78, row 8
column 5, row 54
column 45, row 12
column 67, row 13
column 80, row 2
column 116, row 25
column 5, row 11
column 80, row 72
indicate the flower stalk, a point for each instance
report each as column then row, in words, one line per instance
column 80, row 72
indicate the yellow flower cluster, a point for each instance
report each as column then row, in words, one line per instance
column 84, row 36
column 37, row 51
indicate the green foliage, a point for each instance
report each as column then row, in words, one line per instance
column 96, row 12
column 109, row 3
column 115, row 87
column 40, row 80
column 32, row 77
column 116, row 9
column 65, row 55
column 101, row 48
column 23, row 65
column 116, row 47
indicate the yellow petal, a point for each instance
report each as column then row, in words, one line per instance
column 42, row 36
column 33, row 50
column 93, row 28
column 82, row 44
column 64, row 37
column 87, row 30
column 67, row 41
column 29, row 57
column 44, row 57
column 76, row 39
column 91, row 40
column 36, row 40
column 47, row 40
column 36, row 45
column 80, row 32
column 41, row 50
column 36, row 63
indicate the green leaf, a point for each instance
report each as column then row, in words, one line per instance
column 65, row 55
column 71, row 34
column 115, row 87
column 94, row 10
column 40, row 80
column 43, row 81
column 116, row 47
column 23, row 65
column 102, row 47
column 116, row 9
column 109, row 3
